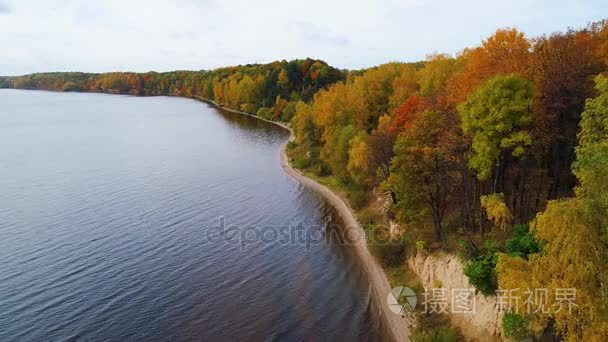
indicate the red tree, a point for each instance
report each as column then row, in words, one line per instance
column 405, row 114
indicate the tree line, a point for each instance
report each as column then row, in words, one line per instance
column 268, row 90
column 513, row 132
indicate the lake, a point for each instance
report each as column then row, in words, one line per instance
column 163, row 218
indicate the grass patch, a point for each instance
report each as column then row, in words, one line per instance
column 435, row 328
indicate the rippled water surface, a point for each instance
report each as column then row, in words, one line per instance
column 111, row 211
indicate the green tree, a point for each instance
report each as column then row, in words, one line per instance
column 592, row 152
column 522, row 243
column 335, row 151
column 482, row 270
column 515, row 327
column 495, row 118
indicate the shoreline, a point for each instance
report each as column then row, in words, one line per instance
column 216, row 105
column 398, row 326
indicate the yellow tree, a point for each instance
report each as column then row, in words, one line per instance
column 339, row 105
column 497, row 211
column 573, row 258
column 506, row 52
column 218, row 92
column 246, row 92
column 283, row 79
column 359, row 155
column 303, row 126
column 231, row 91
column 375, row 86
column 405, row 84
column 438, row 69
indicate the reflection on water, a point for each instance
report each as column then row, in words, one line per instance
column 105, row 205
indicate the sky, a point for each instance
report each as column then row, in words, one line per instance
column 144, row 35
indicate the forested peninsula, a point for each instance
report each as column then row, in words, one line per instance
column 498, row 154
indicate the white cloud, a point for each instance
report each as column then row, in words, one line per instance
column 144, row 35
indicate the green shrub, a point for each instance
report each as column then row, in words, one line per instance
column 291, row 145
column 522, row 243
column 434, row 328
column 315, row 153
column 421, row 246
column 264, row 113
column 390, row 252
column 288, row 111
column 482, row 270
column 467, row 250
column 435, row 334
column 357, row 198
column 516, row 327
column 321, row 170
column 300, row 162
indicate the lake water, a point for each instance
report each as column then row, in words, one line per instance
column 159, row 218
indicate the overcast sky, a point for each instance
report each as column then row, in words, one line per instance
column 143, row 35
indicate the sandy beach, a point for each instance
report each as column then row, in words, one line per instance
column 379, row 286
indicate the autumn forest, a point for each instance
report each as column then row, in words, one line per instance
column 499, row 153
